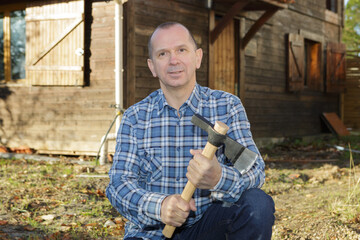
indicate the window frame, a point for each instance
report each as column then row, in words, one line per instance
column 313, row 75
column 6, row 10
column 308, row 75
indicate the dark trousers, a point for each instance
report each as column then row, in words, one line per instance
column 251, row 217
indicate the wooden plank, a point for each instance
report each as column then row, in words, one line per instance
column 55, row 68
column 53, row 17
column 257, row 25
column 335, row 124
column 130, row 62
column 242, row 63
column 7, row 46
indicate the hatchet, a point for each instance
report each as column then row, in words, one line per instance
column 241, row 157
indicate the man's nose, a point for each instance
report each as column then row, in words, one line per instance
column 174, row 58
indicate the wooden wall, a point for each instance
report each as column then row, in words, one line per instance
column 351, row 101
column 272, row 110
column 67, row 120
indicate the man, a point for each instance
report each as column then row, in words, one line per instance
column 158, row 150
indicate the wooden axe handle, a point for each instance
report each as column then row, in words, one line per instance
column 188, row 191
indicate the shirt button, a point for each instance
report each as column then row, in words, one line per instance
column 177, row 178
column 178, row 149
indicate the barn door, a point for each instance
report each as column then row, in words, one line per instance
column 55, row 42
column 295, row 79
column 223, row 61
column 335, row 67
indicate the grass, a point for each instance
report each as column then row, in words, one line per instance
column 348, row 207
column 30, row 190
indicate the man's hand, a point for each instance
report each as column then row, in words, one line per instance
column 202, row 172
column 175, row 210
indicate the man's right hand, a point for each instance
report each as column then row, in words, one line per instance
column 175, row 210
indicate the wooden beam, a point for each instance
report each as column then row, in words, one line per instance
column 7, row 46
column 211, row 79
column 227, row 18
column 242, row 63
column 55, row 68
column 257, row 25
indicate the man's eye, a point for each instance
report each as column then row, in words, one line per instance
column 162, row 54
column 182, row 50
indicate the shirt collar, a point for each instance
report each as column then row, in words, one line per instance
column 161, row 101
column 193, row 101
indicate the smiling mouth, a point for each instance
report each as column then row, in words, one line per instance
column 175, row 72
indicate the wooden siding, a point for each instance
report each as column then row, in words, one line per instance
column 271, row 109
column 67, row 120
column 351, row 99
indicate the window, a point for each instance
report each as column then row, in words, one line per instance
column 306, row 70
column 313, row 77
column 12, row 44
column 304, row 64
column 331, row 5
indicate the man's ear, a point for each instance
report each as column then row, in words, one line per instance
column 151, row 67
column 199, row 55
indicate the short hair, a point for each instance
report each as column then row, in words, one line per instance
column 167, row 25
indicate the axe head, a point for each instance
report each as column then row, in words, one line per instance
column 241, row 157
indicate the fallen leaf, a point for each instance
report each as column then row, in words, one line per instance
column 100, row 193
column 3, row 222
column 294, row 176
column 29, row 228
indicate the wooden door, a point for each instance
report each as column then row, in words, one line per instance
column 55, row 43
column 222, row 63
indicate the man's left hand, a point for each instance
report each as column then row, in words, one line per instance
column 202, row 172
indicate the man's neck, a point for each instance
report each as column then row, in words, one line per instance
column 177, row 97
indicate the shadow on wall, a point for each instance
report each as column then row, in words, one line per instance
column 5, row 92
column 16, row 113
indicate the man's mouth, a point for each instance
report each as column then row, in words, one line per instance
column 175, row 70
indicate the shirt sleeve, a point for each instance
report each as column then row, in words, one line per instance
column 232, row 183
column 124, row 191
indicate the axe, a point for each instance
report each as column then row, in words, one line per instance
column 241, row 157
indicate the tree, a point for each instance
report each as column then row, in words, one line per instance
column 351, row 33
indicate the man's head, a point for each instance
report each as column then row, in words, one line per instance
column 165, row 26
column 174, row 56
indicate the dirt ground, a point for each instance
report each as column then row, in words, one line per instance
column 315, row 188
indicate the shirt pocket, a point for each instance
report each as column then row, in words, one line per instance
column 151, row 163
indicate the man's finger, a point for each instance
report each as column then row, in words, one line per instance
column 192, row 204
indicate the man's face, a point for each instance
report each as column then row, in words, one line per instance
column 174, row 58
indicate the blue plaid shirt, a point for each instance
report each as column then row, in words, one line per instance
column 153, row 152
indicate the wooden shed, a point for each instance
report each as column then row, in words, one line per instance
column 284, row 59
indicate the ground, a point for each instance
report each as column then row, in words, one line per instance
column 314, row 185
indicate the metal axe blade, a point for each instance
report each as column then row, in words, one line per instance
column 241, row 157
